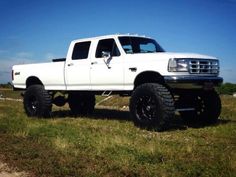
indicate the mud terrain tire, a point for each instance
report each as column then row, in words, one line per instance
column 37, row 101
column 152, row 106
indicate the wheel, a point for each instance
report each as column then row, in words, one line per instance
column 207, row 105
column 81, row 103
column 37, row 102
column 152, row 106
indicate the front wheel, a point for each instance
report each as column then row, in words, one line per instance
column 206, row 104
column 152, row 106
column 37, row 102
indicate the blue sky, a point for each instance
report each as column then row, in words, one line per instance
column 38, row 30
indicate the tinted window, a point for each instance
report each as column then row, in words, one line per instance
column 139, row 45
column 107, row 45
column 81, row 50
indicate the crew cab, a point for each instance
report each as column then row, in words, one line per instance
column 159, row 83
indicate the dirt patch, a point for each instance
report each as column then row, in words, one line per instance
column 6, row 171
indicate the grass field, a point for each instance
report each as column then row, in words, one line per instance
column 10, row 94
column 108, row 144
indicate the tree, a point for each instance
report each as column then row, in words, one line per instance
column 227, row 88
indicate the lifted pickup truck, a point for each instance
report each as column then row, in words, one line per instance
column 159, row 83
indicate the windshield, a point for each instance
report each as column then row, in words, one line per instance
column 139, row 45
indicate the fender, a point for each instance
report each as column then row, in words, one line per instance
column 148, row 76
column 33, row 80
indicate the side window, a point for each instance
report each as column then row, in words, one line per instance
column 81, row 50
column 107, row 45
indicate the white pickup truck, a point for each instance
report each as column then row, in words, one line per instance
column 159, row 83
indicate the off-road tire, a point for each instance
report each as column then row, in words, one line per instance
column 207, row 106
column 37, row 102
column 81, row 103
column 152, row 107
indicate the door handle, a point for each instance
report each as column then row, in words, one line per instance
column 70, row 64
column 94, row 63
column 134, row 69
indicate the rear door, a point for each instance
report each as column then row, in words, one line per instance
column 77, row 68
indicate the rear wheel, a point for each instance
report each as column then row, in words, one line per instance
column 81, row 103
column 206, row 104
column 152, row 106
column 37, row 102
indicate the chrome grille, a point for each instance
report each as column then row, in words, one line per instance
column 199, row 66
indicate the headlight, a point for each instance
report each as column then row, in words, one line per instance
column 178, row 65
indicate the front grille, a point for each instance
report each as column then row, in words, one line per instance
column 199, row 66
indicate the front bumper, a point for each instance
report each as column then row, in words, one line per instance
column 189, row 82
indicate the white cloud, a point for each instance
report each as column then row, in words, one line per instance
column 6, row 63
column 50, row 56
column 25, row 55
column 6, row 67
column 228, row 74
column 18, row 58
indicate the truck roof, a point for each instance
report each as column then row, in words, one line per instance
column 109, row 36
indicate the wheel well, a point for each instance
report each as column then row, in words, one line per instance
column 33, row 81
column 148, row 77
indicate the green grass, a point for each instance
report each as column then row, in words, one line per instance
column 108, row 144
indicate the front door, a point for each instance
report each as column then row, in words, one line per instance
column 107, row 67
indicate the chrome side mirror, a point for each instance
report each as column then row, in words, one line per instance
column 106, row 54
column 106, row 58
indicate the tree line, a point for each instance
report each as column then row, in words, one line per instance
column 7, row 85
column 227, row 89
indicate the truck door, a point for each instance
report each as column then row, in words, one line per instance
column 77, row 68
column 107, row 66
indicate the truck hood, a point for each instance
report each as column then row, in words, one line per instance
column 188, row 55
column 169, row 55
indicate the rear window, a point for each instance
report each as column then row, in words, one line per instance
column 81, row 50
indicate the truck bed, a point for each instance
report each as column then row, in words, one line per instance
column 51, row 75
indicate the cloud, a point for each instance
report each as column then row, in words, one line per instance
column 6, row 63
column 50, row 56
column 19, row 58
column 23, row 57
column 228, row 75
column 6, row 67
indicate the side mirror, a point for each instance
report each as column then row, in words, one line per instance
column 106, row 58
column 106, row 54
